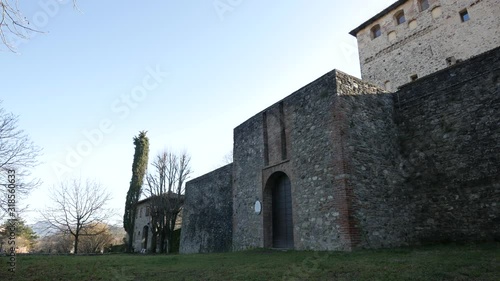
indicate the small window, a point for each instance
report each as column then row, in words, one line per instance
column 414, row 77
column 376, row 31
column 424, row 5
column 140, row 213
column 400, row 17
column 464, row 15
column 147, row 211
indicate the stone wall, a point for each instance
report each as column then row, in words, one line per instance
column 422, row 44
column 449, row 126
column 319, row 220
column 368, row 168
column 306, row 136
column 248, row 156
column 207, row 213
column 294, row 136
column 378, row 199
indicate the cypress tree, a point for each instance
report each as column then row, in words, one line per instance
column 139, row 166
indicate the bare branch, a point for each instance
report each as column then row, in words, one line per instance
column 14, row 25
column 18, row 153
column 165, row 188
column 77, row 208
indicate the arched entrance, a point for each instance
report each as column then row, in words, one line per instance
column 278, row 221
column 145, row 232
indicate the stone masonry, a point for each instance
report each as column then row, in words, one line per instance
column 449, row 133
column 343, row 164
column 368, row 168
column 427, row 41
column 207, row 213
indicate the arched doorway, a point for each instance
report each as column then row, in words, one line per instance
column 145, row 232
column 278, row 221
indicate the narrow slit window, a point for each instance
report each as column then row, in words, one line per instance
column 400, row 17
column 464, row 15
column 376, row 31
column 424, row 5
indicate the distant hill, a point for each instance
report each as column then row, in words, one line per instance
column 42, row 228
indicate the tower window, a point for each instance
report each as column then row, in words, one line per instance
column 464, row 15
column 400, row 17
column 424, row 5
column 376, row 31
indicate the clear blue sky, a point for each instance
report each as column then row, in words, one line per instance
column 223, row 66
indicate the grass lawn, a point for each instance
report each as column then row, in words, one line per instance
column 443, row 262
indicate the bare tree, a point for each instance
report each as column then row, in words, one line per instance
column 165, row 190
column 155, row 190
column 97, row 242
column 14, row 24
column 18, row 154
column 77, row 208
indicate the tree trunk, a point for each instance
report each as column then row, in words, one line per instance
column 162, row 242
column 169, row 239
column 130, row 243
column 170, row 235
column 75, row 248
column 154, row 236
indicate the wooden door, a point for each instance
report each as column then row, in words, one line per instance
column 282, row 214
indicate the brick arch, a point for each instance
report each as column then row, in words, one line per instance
column 277, row 211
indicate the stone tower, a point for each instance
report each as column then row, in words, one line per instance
column 414, row 38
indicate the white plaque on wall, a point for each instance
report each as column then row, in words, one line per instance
column 258, row 207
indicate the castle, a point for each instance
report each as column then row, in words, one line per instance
column 412, row 39
column 408, row 155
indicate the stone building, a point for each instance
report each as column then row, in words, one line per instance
column 414, row 38
column 142, row 231
column 142, row 226
column 343, row 164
